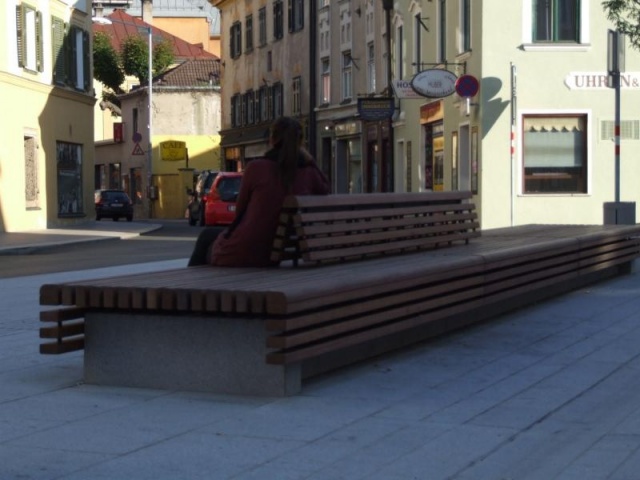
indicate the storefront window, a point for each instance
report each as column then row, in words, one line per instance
column 69, row 166
column 355, row 166
column 555, row 154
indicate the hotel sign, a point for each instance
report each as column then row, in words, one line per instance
column 600, row 80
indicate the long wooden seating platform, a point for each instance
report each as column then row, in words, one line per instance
column 261, row 331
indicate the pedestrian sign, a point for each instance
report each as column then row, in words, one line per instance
column 137, row 150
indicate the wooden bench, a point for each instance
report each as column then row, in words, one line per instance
column 261, row 331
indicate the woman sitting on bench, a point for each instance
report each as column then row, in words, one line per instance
column 286, row 169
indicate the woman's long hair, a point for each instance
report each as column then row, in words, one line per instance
column 286, row 138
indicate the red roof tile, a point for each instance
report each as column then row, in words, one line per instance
column 124, row 25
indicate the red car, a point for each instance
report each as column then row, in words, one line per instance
column 220, row 203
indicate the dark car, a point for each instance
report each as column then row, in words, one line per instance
column 198, row 196
column 113, row 204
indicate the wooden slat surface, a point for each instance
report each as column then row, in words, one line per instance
column 315, row 310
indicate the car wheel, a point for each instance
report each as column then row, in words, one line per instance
column 129, row 218
column 98, row 217
column 115, row 219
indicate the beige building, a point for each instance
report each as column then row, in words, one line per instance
column 265, row 72
column 186, row 109
column 46, row 153
column 185, row 139
column 536, row 143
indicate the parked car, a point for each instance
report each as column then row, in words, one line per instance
column 113, row 204
column 220, row 205
column 198, row 197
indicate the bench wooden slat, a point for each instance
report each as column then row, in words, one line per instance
column 55, row 348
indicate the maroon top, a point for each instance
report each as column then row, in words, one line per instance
column 258, row 208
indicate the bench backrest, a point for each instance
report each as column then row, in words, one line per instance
column 328, row 228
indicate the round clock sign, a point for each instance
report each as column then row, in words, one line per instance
column 434, row 83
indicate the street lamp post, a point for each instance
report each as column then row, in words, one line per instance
column 150, row 125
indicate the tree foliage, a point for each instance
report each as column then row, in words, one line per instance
column 134, row 52
column 625, row 14
column 110, row 66
column 106, row 63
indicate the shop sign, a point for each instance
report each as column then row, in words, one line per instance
column 350, row 128
column 434, row 83
column 600, row 80
column 375, row 109
column 173, row 150
column 403, row 90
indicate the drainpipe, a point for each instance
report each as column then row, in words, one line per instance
column 387, row 5
column 313, row 82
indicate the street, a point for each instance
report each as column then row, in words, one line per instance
column 173, row 241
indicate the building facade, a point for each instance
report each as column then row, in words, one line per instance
column 536, row 142
column 181, row 108
column 46, row 158
column 510, row 100
column 266, row 53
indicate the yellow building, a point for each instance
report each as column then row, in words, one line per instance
column 46, row 146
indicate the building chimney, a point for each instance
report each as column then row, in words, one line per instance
column 147, row 11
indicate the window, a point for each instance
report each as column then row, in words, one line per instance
column 80, row 61
column 235, row 40
column 248, row 33
column 465, row 25
column 555, row 153
column 262, row 26
column 135, row 120
column 346, row 76
column 400, row 52
column 263, row 104
column 29, row 38
column 278, row 28
column 69, row 170
column 442, row 31
column 325, row 81
column 556, row 21
column 251, row 108
column 296, row 15
column 296, row 93
column 236, row 110
column 371, row 68
column 277, row 100
column 417, row 44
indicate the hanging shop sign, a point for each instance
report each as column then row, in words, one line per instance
column 434, row 83
column 375, row 109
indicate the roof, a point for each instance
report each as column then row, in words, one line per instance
column 192, row 73
column 178, row 9
column 124, row 25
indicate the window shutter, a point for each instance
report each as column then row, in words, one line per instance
column 86, row 60
column 20, row 32
column 39, row 43
column 57, row 43
column 72, row 68
column 290, row 16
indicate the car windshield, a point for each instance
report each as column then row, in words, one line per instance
column 228, row 188
column 115, row 197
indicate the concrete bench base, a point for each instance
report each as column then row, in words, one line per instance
column 195, row 353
